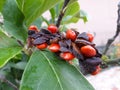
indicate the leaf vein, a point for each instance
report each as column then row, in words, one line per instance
column 43, row 75
column 23, row 4
column 53, row 71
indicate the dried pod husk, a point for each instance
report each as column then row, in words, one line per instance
column 64, row 49
column 98, row 54
column 93, row 61
column 36, row 35
column 54, row 40
column 86, row 68
column 65, row 45
column 87, row 64
column 62, row 43
column 30, row 32
column 77, row 33
column 77, row 52
column 90, row 69
column 83, row 36
column 82, row 42
column 40, row 40
column 63, row 35
column 45, row 31
column 69, row 43
column 30, row 42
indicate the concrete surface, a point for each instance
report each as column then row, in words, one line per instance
column 106, row 80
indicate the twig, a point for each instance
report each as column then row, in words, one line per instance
column 115, row 61
column 62, row 12
column 20, row 43
column 111, row 40
column 3, row 79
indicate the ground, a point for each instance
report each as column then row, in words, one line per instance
column 106, row 80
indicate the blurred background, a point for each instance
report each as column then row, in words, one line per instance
column 102, row 17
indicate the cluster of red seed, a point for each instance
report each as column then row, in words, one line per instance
column 68, row 45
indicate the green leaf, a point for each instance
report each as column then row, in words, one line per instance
column 38, row 22
column 75, row 18
column 8, row 49
column 83, row 15
column 71, row 19
column 2, row 2
column 57, row 8
column 53, row 14
column 72, row 14
column 72, row 9
column 33, row 9
column 20, row 65
column 13, row 21
column 45, row 71
column 45, row 20
column 8, row 53
column 6, row 41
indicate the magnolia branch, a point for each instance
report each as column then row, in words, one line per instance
column 3, row 79
column 62, row 12
column 113, row 62
column 111, row 40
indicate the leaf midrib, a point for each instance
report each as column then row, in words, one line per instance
column 17, row 52
column 52, row 67
column 23, row 5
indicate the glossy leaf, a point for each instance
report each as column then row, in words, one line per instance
column 72, row 9
column 33, row 9
column 8, row 49
column 6, row 41
column 72, row 14
column 20, row 65
column 83, row 16
column 38, row 22
column 7, row 53
column 45, row 20
column 2, row 2
column 53, row 14
column 71, row 19
column 13, row 21
column 45, row 71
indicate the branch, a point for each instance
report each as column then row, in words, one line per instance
column 62, row 12
column 113, row 62
column 20, row 43
column 111, row 40
column 3, row 79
